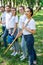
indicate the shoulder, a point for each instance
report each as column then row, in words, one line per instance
column 32, row 21
column 12, row 17
column 16, row 16
column 26, row 20
column 4, row 13
column 24, row 16
column 16, row 19
column 10, row 13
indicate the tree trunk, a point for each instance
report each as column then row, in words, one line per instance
column 37, row 4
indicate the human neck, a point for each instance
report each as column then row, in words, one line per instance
column 22, row 13
column 29, row 17
column 13, row 15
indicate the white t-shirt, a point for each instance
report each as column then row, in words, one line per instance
column 21, row 20
column 31, row 25
column 13, row 20
column 3, row 18
column 8, row 17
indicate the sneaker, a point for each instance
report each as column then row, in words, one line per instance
column 12, row 48
column 13, row 53
column 23, row 58
column 34, row 63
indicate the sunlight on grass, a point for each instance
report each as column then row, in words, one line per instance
column 40, row 26
column 37, row 23
column 41, row 54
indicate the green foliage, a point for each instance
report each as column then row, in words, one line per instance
column 41, row 2
column 30, row 3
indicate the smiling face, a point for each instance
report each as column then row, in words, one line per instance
column 21, row 10
column 8, row 9
column 2, row 9
column 28, row 12
column 13, row 10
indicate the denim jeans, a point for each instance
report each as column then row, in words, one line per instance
column 4, row 37
column 30, row 46
column 16, row 44
column 3, row 28
column 23, row 46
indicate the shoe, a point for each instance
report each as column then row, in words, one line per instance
column 34, row 63
column 13, row 53
column 12, row 48
column 23, row 58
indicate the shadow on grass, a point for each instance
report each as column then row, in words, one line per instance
column 40, row 60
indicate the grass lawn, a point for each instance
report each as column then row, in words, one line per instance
column 7, row 59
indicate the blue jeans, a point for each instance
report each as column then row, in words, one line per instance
column 16, row 44
column 3, row 28
column 4, row 37
column 30, row 46
column 23, row 46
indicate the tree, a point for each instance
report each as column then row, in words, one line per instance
column 31, row 3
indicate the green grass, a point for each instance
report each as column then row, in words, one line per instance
column 7, row 59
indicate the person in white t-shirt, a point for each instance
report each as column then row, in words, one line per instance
column 7, row 20
column 13, row 30
column 22, row 19
column 3, row 18
column 28, row 29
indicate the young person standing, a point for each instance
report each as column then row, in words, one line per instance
column 13, row 30
column 28, row 29
column 7, row 20
column 3, row 18
column 21, row 20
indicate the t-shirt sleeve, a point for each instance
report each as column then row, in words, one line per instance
column 33, row 25
column 2, row 17
column 23, row 19
column 16, row 19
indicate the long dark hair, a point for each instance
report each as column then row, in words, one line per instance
column 31, row 10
